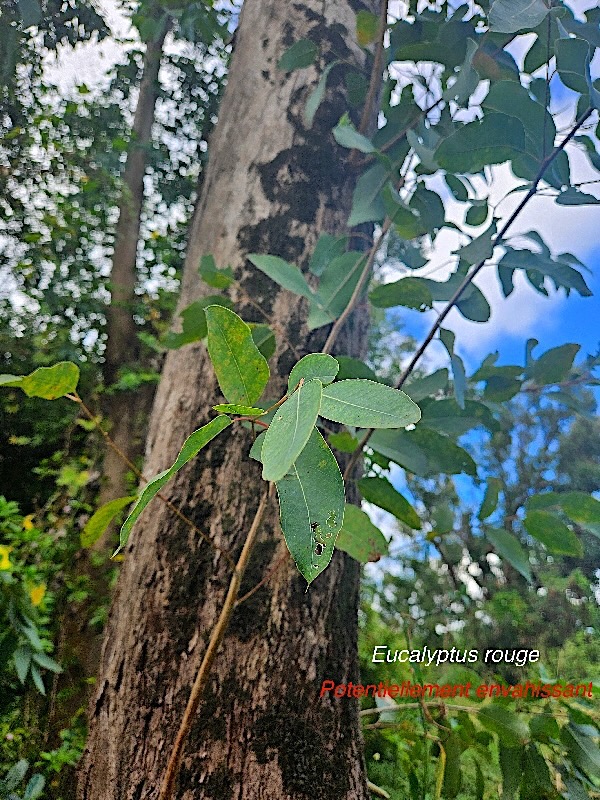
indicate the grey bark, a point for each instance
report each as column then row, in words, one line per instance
column 262, row 732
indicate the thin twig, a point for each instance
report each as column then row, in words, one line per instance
column 468, row 279
column 337, row 326
column 275, row 568
column 216, row 637
column 140, row 475
column 375, row 81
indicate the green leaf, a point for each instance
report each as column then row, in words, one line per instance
column 335, row 288
column 311, row 501
column 22, row 659
column 457, row 187
column 490, row 499
column 346, row 135
column 480, row 248
column 510, row 758
column 35, row 787
column 354, row 368
column 477, row 214
column 423, row 451
column 193, row 322
column 536, row 780
column 326, row 249
column 408, row 292
column 492, row 140
column 286, row 275
column 553, row 534
column 290, row 430
column 572, row 63
column 555, row 364
column 256, row 449
column 367, row 202
column 264, row 338
column 343, row 441
column 458, row 368
column 301, row 54
column 217, row 278
column 315, row 365
column 510, row 16
column 453, row 773
column 191, row 447
column 242, row 371
column 583, row 750
column 509, row 547
column 366, row 404
column 380, row 492
column 446, row 416
column 574, row 197
column 578, row 506
column 544, row 727
column 30, row 11
column 430, row 385
column 467, row 80
column 234, row 408
column 37, row 680
column 367, row 27
column 360, row 538
column 511, row 730
column 47, row 663
column 316, row 97
column 101, row 519
column 47, row 383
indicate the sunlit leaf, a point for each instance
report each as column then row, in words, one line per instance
column 360, row 538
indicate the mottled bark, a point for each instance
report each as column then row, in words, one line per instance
column 262, row 732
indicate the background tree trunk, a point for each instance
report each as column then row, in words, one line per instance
column 271, row 187
column 126, row 411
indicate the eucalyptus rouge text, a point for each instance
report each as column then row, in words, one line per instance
column 427, row 657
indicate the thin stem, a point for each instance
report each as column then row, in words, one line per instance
column 216, row 637
column 369, row 106
column 337, row 326
column 468, row 279
column 140, row 475
column 275, row 568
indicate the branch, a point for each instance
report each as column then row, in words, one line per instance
column 140, row 475
column 375, row 81
column 216, row 637
column 468, row 279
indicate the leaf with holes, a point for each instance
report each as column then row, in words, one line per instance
column 242, row 371
column 311, row 503
column 290, row 430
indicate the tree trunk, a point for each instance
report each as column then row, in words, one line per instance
column 272, row 186
column 123, row 409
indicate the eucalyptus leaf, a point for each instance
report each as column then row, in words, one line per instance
column 102, row 518
column 316, row 97
column 366, row 404
column 288, row 276
column 552, row 532
column 191, row 447
column 360, row 538
column 47, row 383
column 380, row 492
column 241, row 369
column 311, row 502
column 510, row 548
column 290, row 430
column 510, row 16
column 314, row 365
